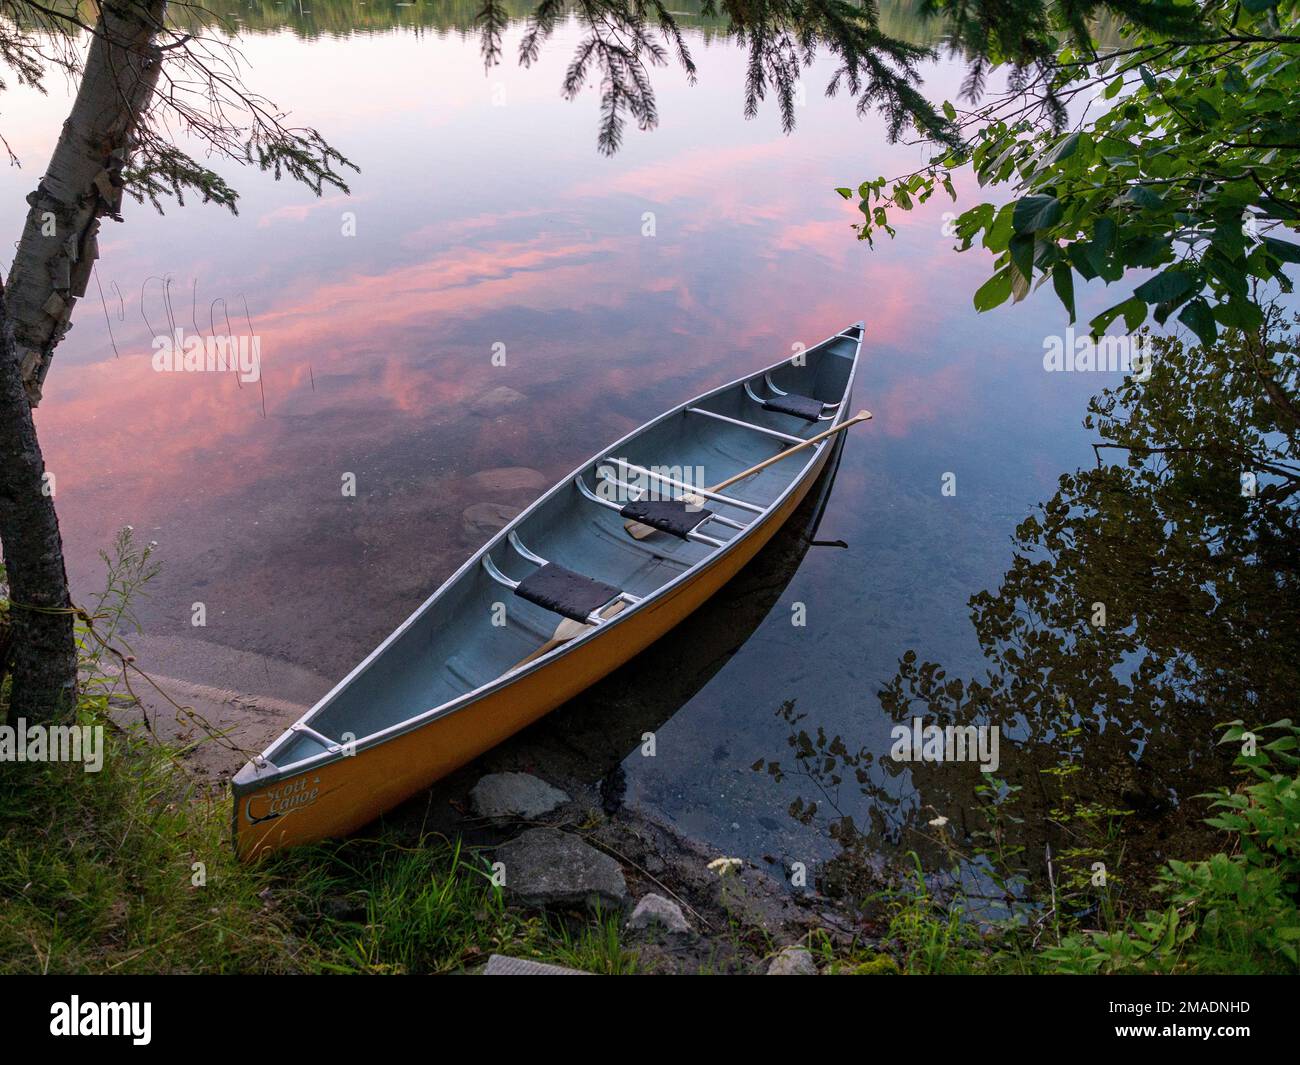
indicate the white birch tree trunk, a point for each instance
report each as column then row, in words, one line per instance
column 59, row 244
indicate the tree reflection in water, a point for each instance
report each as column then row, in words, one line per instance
column 1150, row 599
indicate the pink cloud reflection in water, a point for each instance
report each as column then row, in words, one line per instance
column 499, row 225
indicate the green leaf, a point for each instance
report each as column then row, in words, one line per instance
column 846, row 193
column 1229, row 239
column 1148, row 250
column 994, row 291
column 1200, row 320
column 1112, row 90
column 1105, row 234
column 999, row 232
column 1081, row 257
column 1063, row 283
column 1063, row 150
column 1256, row 6
column 1019, row 286
column 1032, row 213
column 1135, row 313
column 1021, row 248
column 949, row 111
column 1145, row 197
column 1102, row 322
column 1273, row 208
column 1165, row 287
column 1283, row 249
column 1207, row 113
column 1133, row 309
column 1239, row 313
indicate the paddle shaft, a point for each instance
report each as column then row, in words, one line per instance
column 639, row 531
column 568, row 629
column 861, row 416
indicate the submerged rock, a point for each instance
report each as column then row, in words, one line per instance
column 546, row 867
column 515, row 795
column 507, row 479
column 655, row 910
column 792, row 961
column 478, row 521
column 497, row 400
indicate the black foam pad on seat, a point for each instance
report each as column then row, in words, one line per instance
column 673, row 516
column 800, row 406
column 565, row 592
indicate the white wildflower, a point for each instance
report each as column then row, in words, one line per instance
column 724, row 866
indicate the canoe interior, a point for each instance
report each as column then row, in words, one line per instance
column 452, row 647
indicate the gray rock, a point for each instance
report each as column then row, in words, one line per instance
column 479, row 521
column 341, row 909
column 500, row 965
column 515, row 795
column 545, row 867
column 792, row 961
column 507, row 479
column 656, row 910
column 497, row 400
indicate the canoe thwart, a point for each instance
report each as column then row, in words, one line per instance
column 786, row 437
column 677, row 517
column 672, row 482
column 629, row 490
column 321, row 738
column 566, row 593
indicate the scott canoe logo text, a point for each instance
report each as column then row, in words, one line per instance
column 294, row 795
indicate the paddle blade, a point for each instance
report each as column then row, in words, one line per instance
column 567, row 630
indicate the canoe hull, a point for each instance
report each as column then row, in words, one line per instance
column 343, row 795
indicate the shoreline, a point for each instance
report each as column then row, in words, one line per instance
column 232, row 691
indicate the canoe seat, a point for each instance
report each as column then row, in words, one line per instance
column 805, row 407
column 673, row 516
column 565, row 592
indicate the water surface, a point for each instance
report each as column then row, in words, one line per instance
column 486, row 222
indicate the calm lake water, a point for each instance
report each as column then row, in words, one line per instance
column 486, row 221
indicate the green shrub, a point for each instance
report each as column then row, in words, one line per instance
column 1235, row 912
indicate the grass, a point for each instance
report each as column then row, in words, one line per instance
column 381, row 906
column 98, row 872
column 131, row 869
column 1235, row 912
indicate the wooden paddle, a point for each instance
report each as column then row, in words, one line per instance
column 640, row 531
column 567, row 630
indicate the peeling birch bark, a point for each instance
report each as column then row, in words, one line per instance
column 82, row 183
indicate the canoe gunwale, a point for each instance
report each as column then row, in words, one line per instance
column 253, row 777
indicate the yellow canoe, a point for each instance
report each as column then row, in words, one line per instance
column 567, row 592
